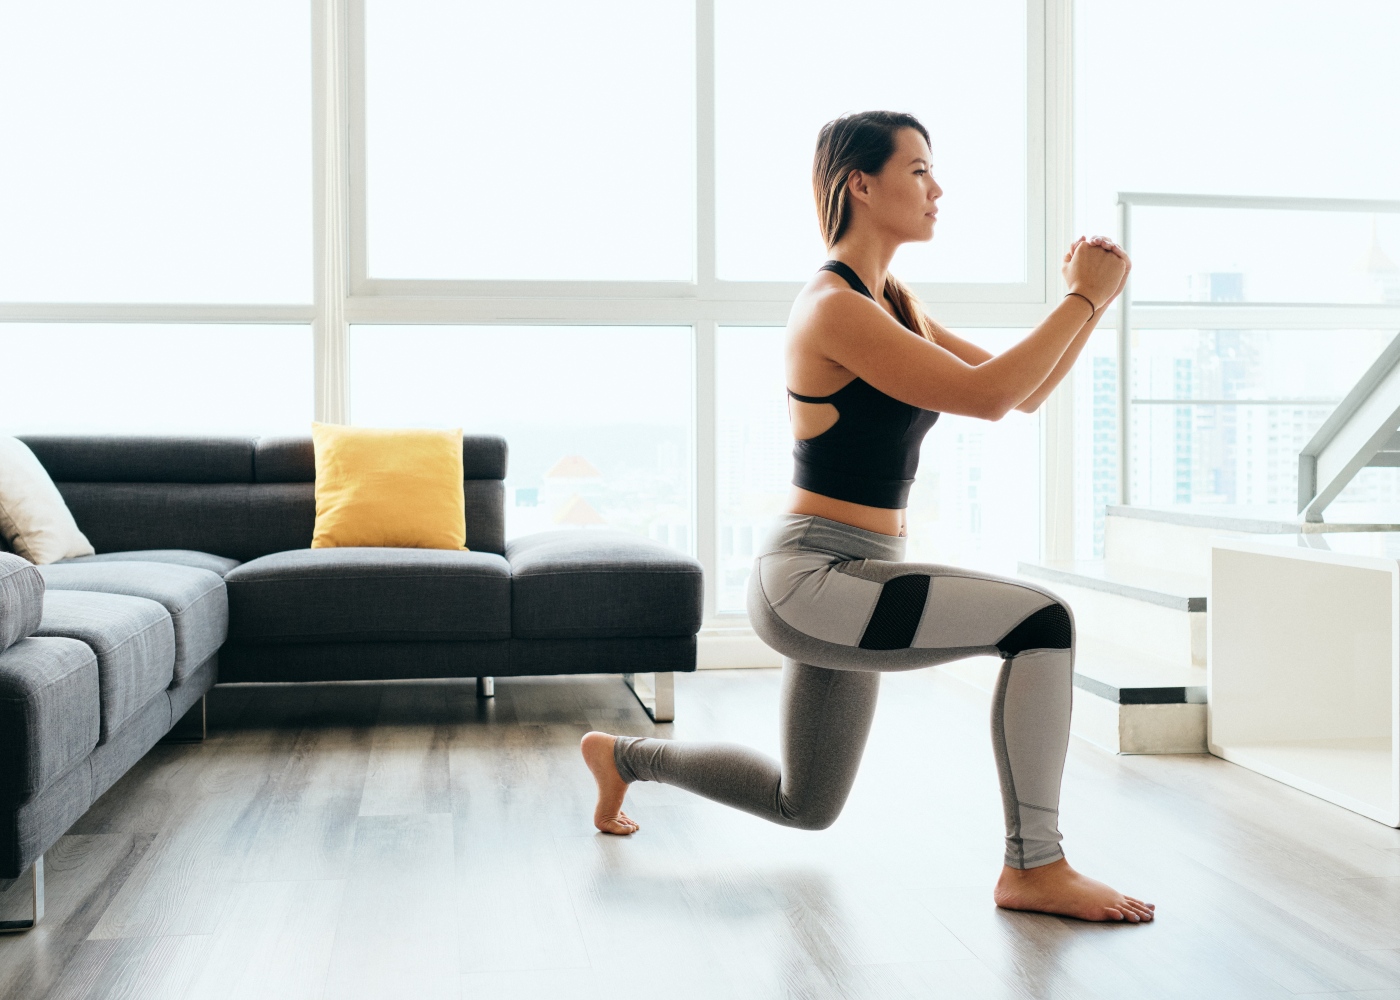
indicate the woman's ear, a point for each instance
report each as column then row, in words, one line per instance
column 858, row 186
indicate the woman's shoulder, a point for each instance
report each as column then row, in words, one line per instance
column 828, row 301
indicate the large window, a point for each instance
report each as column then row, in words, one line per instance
column 781, row 74
column 155, row 151
column 578, row 226
column 1265, row 276
column 548, row 140
column 168, row 378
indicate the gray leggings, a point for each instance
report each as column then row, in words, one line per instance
column 842, row 607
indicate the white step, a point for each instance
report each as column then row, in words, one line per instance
column 1124, row 701
column 1160, row 614
column 1177, row 539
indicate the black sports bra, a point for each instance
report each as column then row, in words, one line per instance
column 869, row 456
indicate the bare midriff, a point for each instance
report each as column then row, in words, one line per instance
column 885, row 520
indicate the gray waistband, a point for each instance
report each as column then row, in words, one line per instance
column 819, row 534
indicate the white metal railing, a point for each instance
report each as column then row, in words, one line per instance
column 1369, row 315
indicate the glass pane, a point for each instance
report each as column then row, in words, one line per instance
column 72, row 378
column 598, row 419
column 781, row 74
column 1095, row 440
column 1264, row 256
column 548, row 140
column 1238, row 454
column 155, row 151
column 1234, row 98
column 975, row 503
column 754, row 448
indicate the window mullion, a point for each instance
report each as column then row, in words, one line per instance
column 330, row 186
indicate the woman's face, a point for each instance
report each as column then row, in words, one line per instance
column 903, row 196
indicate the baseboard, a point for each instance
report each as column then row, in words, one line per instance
column 733, row 648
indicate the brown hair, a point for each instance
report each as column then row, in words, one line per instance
column 863, row 142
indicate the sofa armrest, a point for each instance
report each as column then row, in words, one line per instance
column 21, row 599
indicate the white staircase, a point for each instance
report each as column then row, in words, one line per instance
column 1140, row 613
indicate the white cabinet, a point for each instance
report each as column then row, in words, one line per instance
column 1303, row 664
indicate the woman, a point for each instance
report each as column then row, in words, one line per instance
column 868, row 372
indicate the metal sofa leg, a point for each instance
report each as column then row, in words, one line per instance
column 656, row 692
column 192, row 727
column 486, row 687
column 36, row 885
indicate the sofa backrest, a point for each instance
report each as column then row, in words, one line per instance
column 235, row 497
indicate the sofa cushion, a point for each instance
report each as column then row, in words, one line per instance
column 194, row 598
column 395, row 487
column 175, row 557
column 21, row 599
column 370, row 594
column 48, row 713
column 133, row 638
column 574, row 584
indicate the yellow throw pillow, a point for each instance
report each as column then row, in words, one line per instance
column 397, row 488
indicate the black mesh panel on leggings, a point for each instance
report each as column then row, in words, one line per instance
column 1048, row 628
column 896, row 616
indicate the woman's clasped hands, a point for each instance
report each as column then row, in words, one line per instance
column 1096, row 268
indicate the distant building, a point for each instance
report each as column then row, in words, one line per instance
column 578, row 512
column 572, row 487
column 573, row 467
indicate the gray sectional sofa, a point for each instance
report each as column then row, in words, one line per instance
column 204, row 575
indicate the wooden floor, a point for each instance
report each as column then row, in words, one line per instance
column 356, row 841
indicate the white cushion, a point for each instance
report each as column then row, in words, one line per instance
column 34, row 520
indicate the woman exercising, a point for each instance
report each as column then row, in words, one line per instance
column 868, row 373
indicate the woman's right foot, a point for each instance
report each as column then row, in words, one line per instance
column 598, row 755
column 1058, row 888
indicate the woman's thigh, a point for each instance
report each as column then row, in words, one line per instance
column 869, row 614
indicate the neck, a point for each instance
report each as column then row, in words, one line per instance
column 869, row 257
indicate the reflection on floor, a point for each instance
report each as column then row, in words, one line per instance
column 364, row 841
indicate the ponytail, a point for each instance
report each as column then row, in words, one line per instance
column 908, row 308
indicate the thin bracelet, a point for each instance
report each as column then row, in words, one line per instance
column 1092, row 309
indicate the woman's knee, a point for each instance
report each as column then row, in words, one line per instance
column 810, row 816
column 1052, row 627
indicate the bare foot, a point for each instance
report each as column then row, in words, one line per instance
column 598, row 755
column 1058, row 888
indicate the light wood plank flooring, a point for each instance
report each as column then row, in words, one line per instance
column 365, row 841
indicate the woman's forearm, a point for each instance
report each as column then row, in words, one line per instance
column 1062, row 367
column 1022, row 369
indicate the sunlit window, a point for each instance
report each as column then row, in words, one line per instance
column 781, row 73
column 155, row 151
column 547, row 140
column 597, row 419
column 168, row 378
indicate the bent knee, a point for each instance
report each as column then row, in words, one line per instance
column 1049, row 628
column 809, row 818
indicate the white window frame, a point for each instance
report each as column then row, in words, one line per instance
column 344, row 294
column 1127, row 315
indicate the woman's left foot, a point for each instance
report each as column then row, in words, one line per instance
column 1057, row 888
column 607, row 815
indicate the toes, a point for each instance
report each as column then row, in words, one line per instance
column 1140, row 912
